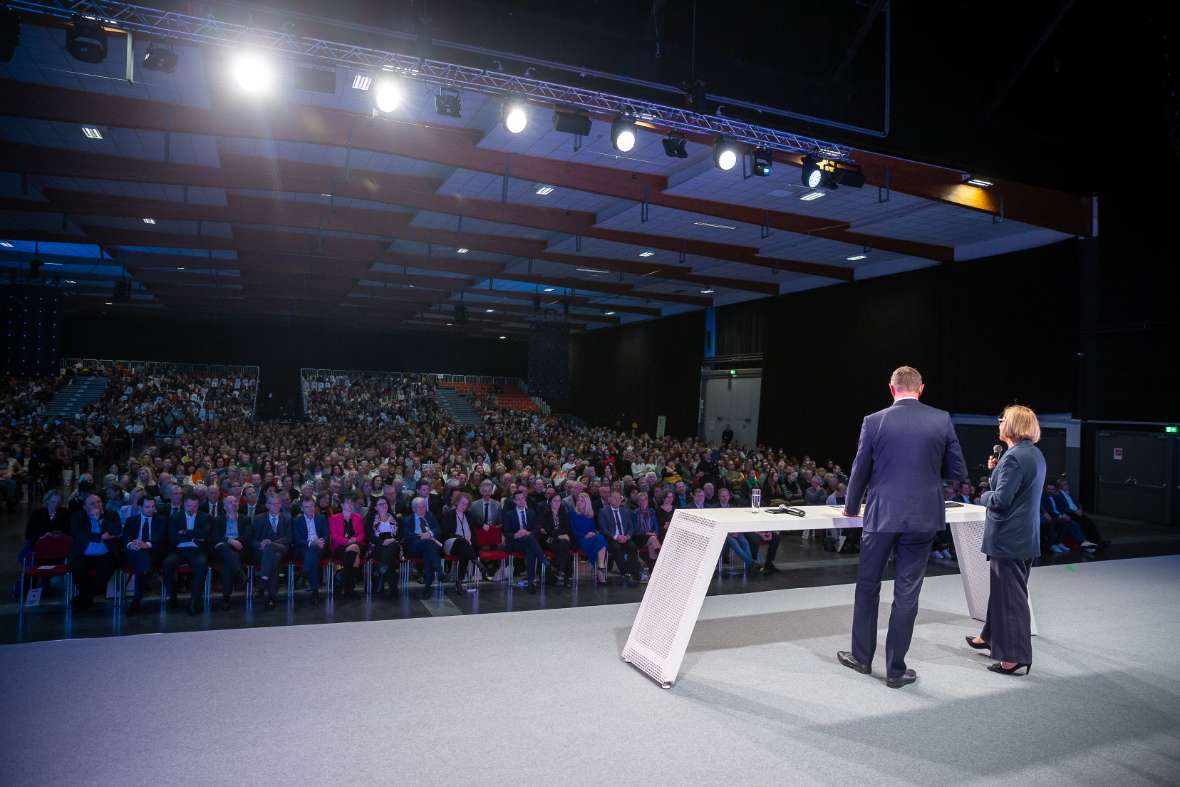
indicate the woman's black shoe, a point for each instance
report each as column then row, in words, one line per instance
column 998, row 667
column 978, row 645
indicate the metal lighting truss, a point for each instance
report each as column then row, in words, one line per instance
column 166, row 24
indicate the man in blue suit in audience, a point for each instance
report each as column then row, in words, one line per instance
column 419, row 536
column 309, row 534
column 905, row 452
column 145, row 540
column 617, row 524
column 520, row 527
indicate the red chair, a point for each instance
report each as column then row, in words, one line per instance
column 50, row 558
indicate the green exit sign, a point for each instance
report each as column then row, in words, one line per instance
column 733, row 373
column 1171, row 429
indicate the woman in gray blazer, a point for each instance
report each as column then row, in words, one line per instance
column 1011, row 539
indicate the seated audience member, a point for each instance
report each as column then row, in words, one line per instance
column 664, row 512
column 965, row 494
column 420, row 542
column 737, row 543
column 698, row 499
column 309, row 538
column 386, row 549
column 233, row 536
column 96, row 533
column 51, row 517
column 845, row 540
column 585, row 532
column 520, row 528
column 1055, row 525
column 553, row 528
column 347, row 533
column 248, row 507
column 145, row 540
column 793, row 489
column 647, row 531
column 1067, row 505
column 458, row 538
column 188, row 535
column 617, row 524
column 485, row 510
column 175, row 502
column 815, row 495
column 272, row 539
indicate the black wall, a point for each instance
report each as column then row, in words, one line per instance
column 638, row 372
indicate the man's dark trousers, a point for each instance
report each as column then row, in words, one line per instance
column 913, row 552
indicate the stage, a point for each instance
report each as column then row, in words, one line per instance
column 538, row 697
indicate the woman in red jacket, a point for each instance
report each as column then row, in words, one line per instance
column 346, row 531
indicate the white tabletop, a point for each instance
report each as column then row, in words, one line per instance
column 744, row 519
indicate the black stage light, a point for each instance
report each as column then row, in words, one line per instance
column 623, row 134
column 448, row 102
column 761, row 162
column 86, row 41
column 725, row 154
column 675, row 147
column 812, row 175
column 159, row 58
column 9, row 33
column 568, row 122
column 850, row 176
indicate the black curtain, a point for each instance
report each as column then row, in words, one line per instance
column 30, row 330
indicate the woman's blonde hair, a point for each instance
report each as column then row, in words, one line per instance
column 583, row 505
column 1020, row 423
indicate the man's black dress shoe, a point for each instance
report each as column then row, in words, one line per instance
column 848, row 660
column 904, row 679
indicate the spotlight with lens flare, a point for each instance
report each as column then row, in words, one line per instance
column 253, row 73
column 515, row 116
column 725, row 154
column 623, row 134
column 387, row 95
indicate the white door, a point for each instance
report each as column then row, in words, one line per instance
column 732, row 402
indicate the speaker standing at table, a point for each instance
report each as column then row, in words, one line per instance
column 905, row 452
column 1011, row 539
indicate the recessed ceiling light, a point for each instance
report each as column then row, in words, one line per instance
column 714, row 226
column 983, row 184
column 325, row 194
column 462, row 251
column 59, row 264
column 6, row 244
column 544, row 190
column 856, row 257
column 503, row 337
column 362, row 82
column 70, row 281
column 707, row 292
column 550, row 289
column 107, row 303
column 609, row 314
column 488, row 311
column 450, row 324
column 91, row 132
column 809, row 196
column 146, row 220
column 647, row 254
column 180, row 269
column 590, row 270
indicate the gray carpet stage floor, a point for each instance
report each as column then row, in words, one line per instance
column 542, row 697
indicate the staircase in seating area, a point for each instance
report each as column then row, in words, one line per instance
column 457, row 405
column 70, row 400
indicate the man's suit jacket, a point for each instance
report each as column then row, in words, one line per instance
column 178, row 532
column 245, row 533
column 476, row 514
column 1063, row 504
column 1050, row 507
column 904, row 454
column 406, row 531
column 263, row 531
column 157, row 533
column 243, row 510
column 510, row 522
column 299, row 534
column 606, row 521
column 80, row 532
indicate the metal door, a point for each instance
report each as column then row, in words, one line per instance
column 733, row 402
column 1133, row 469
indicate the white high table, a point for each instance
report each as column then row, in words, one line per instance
column 672, row 602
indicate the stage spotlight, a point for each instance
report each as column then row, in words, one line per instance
column 160, row 59
column 253, row 73
column 387, row 95
column 9, row 33
column 515, row 117
column 448, row 102
column 812, row 175
column 574, row 123
column 86, row 40
column 725, row 154
column 850, row 176
column 623, row 134
column 761, row 162
column 675, row 147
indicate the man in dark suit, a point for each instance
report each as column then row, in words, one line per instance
column 188, row 537
column 1065, row 503
column 232, row 538
column 272, row 534
column 904, row 453
column 419, row 534
column 519, row 524
column 309, row 536
column 486, row 511
column 617, row 524
column 145, row 540
column 95, row 548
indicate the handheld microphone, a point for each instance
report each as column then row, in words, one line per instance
column 997, row 449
